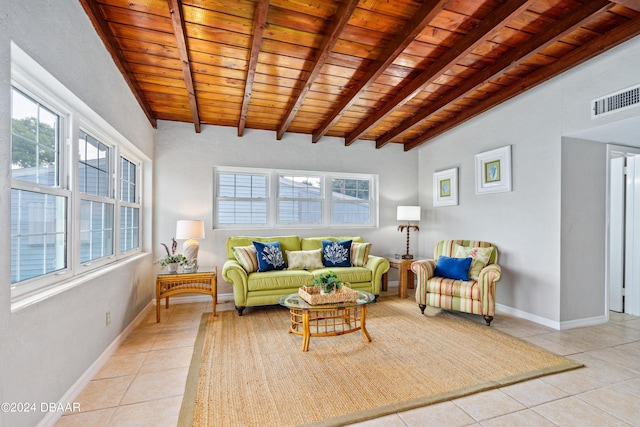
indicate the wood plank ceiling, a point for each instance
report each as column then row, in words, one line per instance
column 392, row 71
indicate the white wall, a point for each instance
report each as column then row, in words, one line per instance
column 536, row 227
column 524, row 223
column 46, row 347
column 183, row 179
column 583, row 248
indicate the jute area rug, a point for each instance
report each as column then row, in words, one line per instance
column 249, row 371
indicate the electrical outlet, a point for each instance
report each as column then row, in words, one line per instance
column 108, row 317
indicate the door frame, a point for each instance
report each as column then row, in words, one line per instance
column 611, row 150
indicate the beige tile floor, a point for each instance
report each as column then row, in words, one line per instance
column 143, row 382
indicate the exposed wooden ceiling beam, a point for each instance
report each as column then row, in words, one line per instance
column 175, row 7
column 411, row 30
column 92, row 9
column 582, row 54
column 487, row 27
column 631, row 4
column 343, row 14
column 508, row 60
column 259, row 24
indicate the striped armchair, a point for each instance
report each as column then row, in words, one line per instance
column 475, row 296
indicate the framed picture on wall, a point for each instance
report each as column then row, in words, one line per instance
column 493, row 171
column 445, row 187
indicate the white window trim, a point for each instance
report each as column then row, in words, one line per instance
column 272, row 198
column 32, row 79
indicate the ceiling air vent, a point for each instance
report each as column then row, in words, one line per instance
column 616, row 101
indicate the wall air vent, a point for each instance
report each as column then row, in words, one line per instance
column 617, row 101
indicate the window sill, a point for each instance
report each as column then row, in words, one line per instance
column 24, row 301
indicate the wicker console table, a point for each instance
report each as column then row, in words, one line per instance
column 201, row 282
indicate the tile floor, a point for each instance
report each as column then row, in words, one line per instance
column 143, row 382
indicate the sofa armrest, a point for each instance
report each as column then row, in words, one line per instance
column 424, row 269
column 378, row 266
column 236, row 275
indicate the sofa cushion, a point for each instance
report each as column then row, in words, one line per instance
column 456, row 288
column 304, row 260
column 480, row 258
column 287, row 243
column 347, row 274
column 359, row 254
column 308, row 243
column 246, row 256
column 447, row 248
column 336, row 254
column 269, row 256
column 453, row 268
column 279, row 279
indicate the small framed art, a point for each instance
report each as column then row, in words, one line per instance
column 493, row 171
column 445, row 187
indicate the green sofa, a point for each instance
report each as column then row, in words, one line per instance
column 265, row 288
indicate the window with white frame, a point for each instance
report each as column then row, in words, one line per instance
column 300, row 199
column 351, row 201
column 38, row 203
column 129, row 206
column 251, row 197
column 96, row 202
column 75, row 206
column 242, row 198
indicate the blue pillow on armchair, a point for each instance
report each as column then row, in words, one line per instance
column 269, row 256
column 336, row 254
column 453, row 268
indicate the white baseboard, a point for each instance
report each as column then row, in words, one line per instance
column 578, row 323
column 69, row 397
column 527, row 316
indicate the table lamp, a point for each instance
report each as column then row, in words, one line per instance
column 408, row 213
column 189, row 231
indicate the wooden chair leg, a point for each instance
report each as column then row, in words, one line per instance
column 240, row 310
column 488, row 319
column 422, row 307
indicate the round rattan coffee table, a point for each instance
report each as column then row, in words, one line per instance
column 327, row 320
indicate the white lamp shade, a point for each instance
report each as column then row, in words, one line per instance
column 190, row 229
column 409, row 213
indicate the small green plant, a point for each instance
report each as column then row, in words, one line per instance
column 172, row 257
column 328, row 281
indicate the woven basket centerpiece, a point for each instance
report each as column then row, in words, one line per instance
column 313, row 296
column 327, row 289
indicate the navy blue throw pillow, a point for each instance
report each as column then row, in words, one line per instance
column 269, row 256
column 453, row 268
column 336, row 254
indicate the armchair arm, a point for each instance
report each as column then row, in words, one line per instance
column 424, row 269
column 233, row 273
column 487, row 281
column 378, row 266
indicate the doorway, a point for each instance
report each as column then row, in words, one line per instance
column 623, row 231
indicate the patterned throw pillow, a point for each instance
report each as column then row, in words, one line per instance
column 336, row 254
column 246, row 256
column 360, row 254
column 269, row 256
column 305, row 260
column 480, row 258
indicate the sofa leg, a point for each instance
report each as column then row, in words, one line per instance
column 240, row 310
column 422, row 307
column 488, row 319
